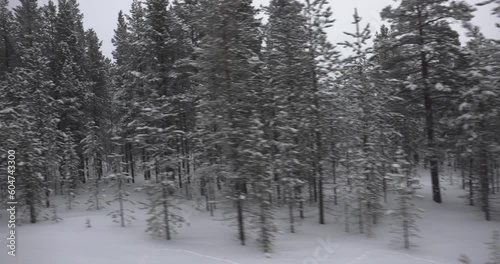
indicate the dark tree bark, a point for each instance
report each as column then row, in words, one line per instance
column 130, row 161
column 484, row 182
column 429, row 115
column 471, row 182
column 165, row 208
column 145, row 159
column 241, row 226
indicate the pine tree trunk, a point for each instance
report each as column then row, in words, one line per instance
column 131, row 162
column 265, row 225
column 145, row 160
column 498, row 175
column 314, row 180
column 346, row 218
column 429, row 115
column 120, row 198
column 491, row 175
column 166, row 212
column 98, row 207
column 291, row 203
column 471, row 183
column 319, row 173
column 311, row 194
column 179, row 162
column 301, row 203
column 81, row 165
column 241, row 226
column 7, row 52
column 484, row 182
column 462, row 174
column 360, row 214
column 334, row 176
column 47, row 184
column 99, row 165
column 211, row 194
column 125, row 160
column 30, row 201
column 321, row 200
column 406, row 225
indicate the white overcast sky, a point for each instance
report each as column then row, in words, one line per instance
column 102, row 15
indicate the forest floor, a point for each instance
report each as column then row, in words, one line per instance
column 447, row 231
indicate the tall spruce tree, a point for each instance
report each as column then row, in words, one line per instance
column 289, row 96
column 367, row 115
column 478, row 117
column 7, row 54
column 406, row 214
column 93, row 150
column 322, row 59
column 421, row 29
column 229, row 69
column 27, row 91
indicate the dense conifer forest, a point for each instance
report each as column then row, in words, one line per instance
column 204, row 100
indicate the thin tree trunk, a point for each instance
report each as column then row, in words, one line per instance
column 321, row 199
column 429, row 115
column 131, row 162
column 47, row 184
column 497, row 176
column 166, row 212
column 241, row 226
column 360, row 214
column 120, row 193
column 484, row 182
column 346, row 218
column 471, row 183
column 334, row 176
column 291, row 203
column 7, row 52
column 145, row 160
column 211, row 197
column 462, row 173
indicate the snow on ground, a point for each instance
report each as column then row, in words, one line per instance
column 447, row 230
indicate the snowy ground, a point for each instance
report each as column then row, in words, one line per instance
column 447, row 230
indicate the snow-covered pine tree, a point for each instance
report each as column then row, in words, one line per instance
column 322, row 60
column 92, row 149
column 160, row 87
column 366, row 130
column 97, row 94
column 68, row 72
column 479, row 124
column 164, row 216
column 7, row 58
column 406, row 213
column 69, row 168
column 353, row 189
column 118, row 180
column 421, row 29
column 230, row 120
column 356, row 86
column 290, row 187
column 396, row 124
column 127, row 84
column 125, row 87
column 289, row 106
column 98, row 98
column 254, row 164
column 27, row 91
